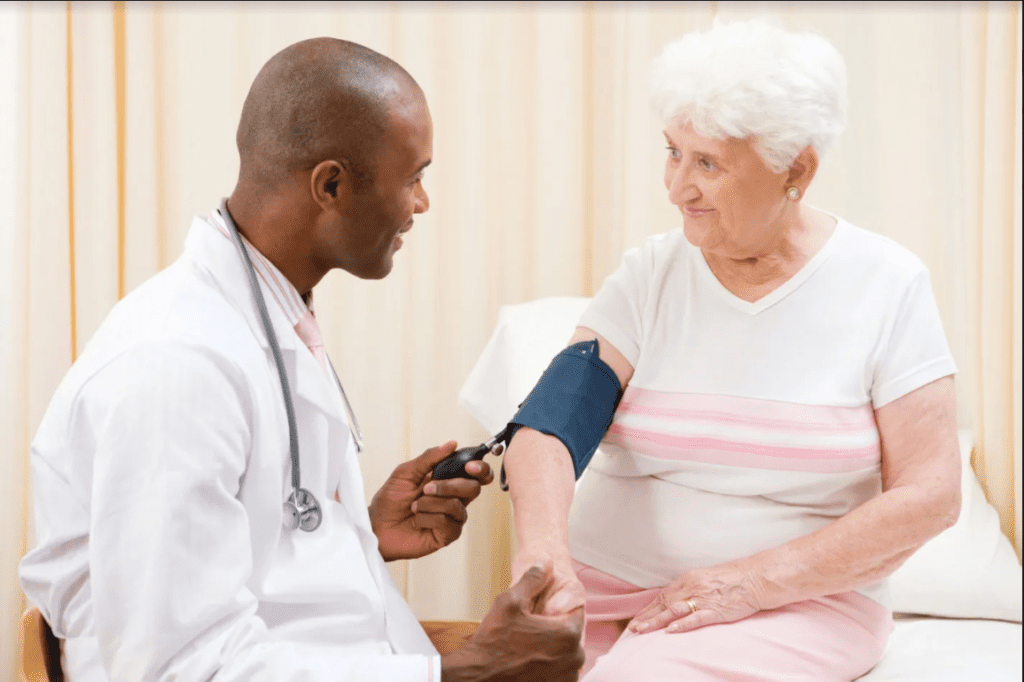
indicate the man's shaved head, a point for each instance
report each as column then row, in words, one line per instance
column 316, row 100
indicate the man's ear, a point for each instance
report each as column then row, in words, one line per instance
column 328, row 182
column 803, row 169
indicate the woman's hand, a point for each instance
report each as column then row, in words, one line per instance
column 720, row 594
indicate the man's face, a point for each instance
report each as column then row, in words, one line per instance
column 375, row 218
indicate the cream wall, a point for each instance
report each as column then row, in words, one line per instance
column 117, row 125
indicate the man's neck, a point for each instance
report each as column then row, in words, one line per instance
column 274, row 228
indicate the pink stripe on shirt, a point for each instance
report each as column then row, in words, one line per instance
column 706, row 453
column 754, row 411
column 745, row 432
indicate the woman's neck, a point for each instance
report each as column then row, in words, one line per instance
column 755, row 277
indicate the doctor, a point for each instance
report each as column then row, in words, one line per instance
column 162, row 463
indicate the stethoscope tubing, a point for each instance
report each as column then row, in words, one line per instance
column 261, row 305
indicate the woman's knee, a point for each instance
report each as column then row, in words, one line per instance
column 626, row 664
column 613, row 667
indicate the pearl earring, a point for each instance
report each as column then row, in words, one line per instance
column 793, row 193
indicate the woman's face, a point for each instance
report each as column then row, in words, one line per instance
column 733, row 205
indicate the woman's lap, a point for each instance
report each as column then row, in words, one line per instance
column 833, row 639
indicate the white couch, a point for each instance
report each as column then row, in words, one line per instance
column 957, row 600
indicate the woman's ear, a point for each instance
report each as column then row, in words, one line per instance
column 803, row 169
column 328, row 181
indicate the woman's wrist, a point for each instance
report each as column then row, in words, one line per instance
column 764, row 593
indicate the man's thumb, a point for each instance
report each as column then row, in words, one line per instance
column 432, row 457
column 532, row 584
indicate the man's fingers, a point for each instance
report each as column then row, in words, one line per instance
column 453, row 508
column 441, row 526
column 481, row 471
column 465, row 489
column 425, row 463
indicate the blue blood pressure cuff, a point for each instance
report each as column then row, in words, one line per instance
column 573, row 401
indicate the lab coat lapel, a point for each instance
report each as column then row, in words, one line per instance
column 221, row 256
column 311, row 388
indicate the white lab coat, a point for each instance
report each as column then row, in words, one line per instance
column 159, row 473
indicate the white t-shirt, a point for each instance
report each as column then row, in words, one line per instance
column 747, row 425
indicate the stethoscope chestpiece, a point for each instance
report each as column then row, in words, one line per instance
column 302, row 511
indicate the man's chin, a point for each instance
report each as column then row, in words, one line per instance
column 380, row 270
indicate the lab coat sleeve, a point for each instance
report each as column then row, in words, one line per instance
column 170, row 551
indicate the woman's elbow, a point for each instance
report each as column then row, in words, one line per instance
column 943, row 506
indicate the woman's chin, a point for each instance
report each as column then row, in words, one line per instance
column 697, row 235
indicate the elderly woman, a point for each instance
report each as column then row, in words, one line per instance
column 786, row 435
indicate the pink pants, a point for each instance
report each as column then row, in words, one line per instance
column 833, row 639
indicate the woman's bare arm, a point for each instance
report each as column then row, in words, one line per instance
column 920, row 498
column 541, row 482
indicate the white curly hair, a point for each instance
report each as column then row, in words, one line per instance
column 754, row 79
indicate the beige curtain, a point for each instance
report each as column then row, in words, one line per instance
column 117, row 125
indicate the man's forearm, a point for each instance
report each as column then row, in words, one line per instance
column 541, row 483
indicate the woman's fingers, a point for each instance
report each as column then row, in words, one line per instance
column 698, row 619
column 667, row 608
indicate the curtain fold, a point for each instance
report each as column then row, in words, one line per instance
column 14, row 422
column 547, row 166
column 990, row 50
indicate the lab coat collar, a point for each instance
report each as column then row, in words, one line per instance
column 212, row 250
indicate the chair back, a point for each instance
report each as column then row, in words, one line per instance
column 449, row 636
column 38, row 649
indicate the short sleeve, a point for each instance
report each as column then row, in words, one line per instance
column 915, row 352
column 616, row 313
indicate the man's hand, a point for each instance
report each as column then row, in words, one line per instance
column 515, row 643
column 412, row 516
column 565, row 592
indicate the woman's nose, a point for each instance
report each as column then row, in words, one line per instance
column 680, row 189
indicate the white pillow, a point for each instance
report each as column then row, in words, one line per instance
column 968, row 571
column 526, row 337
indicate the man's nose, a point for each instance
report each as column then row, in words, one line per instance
column 422, row 200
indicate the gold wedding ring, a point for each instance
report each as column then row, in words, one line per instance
column 692, row 605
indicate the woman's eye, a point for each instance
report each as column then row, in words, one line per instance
column 705, row 164
column 673, row 152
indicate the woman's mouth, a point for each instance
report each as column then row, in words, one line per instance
column 696, row 212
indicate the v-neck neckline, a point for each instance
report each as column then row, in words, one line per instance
column 780, row 292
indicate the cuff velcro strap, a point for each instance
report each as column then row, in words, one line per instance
column 574, row 400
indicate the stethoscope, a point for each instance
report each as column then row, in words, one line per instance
column 301, row 509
